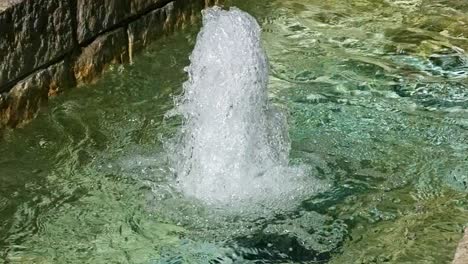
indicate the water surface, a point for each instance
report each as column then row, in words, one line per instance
column 376, row 94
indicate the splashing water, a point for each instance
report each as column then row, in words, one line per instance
column 233, row 147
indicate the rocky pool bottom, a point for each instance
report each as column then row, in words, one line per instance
column 377, row 108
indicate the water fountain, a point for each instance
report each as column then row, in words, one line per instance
column 233, row 146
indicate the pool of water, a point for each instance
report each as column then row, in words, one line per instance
column 376, row 95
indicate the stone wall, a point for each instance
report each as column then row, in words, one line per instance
column 47, row 46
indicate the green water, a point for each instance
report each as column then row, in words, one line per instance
column 377, row 97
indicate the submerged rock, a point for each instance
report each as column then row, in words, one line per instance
column 461, row 255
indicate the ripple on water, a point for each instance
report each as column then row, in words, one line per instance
column 379, row 115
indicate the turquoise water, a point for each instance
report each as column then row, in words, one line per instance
column 376, row 98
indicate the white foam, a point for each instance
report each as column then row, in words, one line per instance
column 233, row 146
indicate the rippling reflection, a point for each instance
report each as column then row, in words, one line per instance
column 377, row 98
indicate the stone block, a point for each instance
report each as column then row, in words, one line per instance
column 97, row 16
column 108, row 48
column 24, row 100
column 149, row 27
column 33, row 33
column 141, row 6
column 176, row 14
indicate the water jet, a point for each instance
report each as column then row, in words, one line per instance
column 233, row 147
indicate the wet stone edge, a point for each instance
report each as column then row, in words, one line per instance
column 48, row 46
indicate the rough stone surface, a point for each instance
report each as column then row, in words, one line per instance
column 95, row 17
column 213, row 2
column 184, row 13
column 461, row 256
column 24, row 100
column 4, row 5
column 148, row 27
column 142, row 6
column 33, row 33
column 187, row 12
column 176, row 14
column 108, row 48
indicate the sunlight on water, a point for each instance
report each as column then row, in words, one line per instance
column 375, row 95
